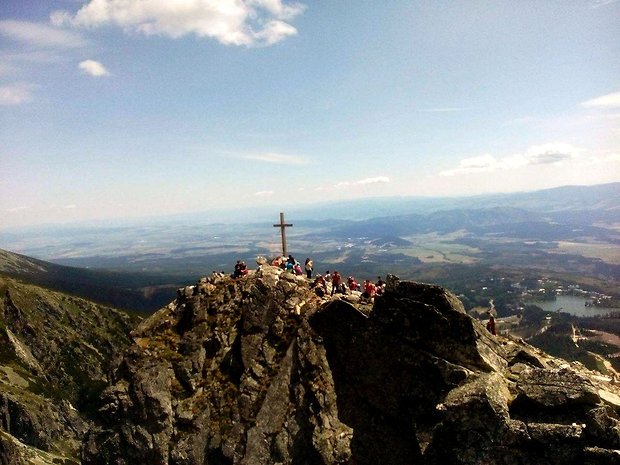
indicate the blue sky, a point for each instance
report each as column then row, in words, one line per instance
column 114, row 108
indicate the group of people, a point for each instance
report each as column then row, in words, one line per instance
column 293, row 266
column 241, row 269
column 368, row 288
column 320, row 283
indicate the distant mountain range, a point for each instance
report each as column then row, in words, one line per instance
column 565, row 229
column 586, row 200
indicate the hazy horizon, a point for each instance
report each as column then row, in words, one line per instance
column 319, row 210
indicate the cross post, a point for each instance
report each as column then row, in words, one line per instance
column 283, row 227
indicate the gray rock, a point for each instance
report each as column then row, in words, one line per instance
column 259, row 370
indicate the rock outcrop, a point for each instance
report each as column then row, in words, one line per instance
column 262, row 371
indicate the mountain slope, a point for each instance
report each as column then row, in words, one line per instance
column 54, row 352
column 132, row 291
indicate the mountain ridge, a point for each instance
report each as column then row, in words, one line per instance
column 261, row 370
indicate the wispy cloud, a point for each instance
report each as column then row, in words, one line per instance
column 40, row 35
column 16, row 94
column 231, row 22
column 263, row 193
column 349, row 184
column 17, row 209
column 278, row 158
column 605, row 101
column 441, row 109
column 536, row 155
column 600, row 3
column 94, row 68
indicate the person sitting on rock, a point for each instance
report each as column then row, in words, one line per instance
column 328, row 276
column 297, row 269
column 352, row 283
column 335, row 282
column 380, row 286
column 369, row 290
column 319, row 285
column 491, row 325
column 238, row 272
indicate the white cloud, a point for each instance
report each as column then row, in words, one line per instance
column 375, row 180
column 350, row 184
column 15, row 94
column 94, row 68
column 278, row 158
column 40, row 35
column 231, row 22
column 543, row 154
column 70, row 207
column 550, row 153
column 605, row 101
column 263, row 193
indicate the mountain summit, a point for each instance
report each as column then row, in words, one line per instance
column 260, row 370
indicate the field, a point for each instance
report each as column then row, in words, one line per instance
column 609, row 253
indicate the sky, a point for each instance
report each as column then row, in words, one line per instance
column 125, row 108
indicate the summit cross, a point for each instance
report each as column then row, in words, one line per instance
column 283, row 227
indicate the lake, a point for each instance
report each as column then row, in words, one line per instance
column 573, row 305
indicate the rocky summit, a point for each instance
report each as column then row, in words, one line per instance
column 260, row 370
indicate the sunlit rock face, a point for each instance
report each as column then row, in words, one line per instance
column 260, row 370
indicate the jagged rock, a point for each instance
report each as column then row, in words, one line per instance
column 598, row 456
column 603, row 427
column 260, row 370
column 556, row 388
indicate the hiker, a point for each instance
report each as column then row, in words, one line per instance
column 290, row 267
column 319, row 285
column 240, row 269
column 291, row 259
column 297, row 269
column 491, row 325
column 335, row 282
column 369, row 290
column 309, row 266
column 352, row 283
column 328, row 276
column 380, row 286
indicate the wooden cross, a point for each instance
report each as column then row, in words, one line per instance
column 282, row 227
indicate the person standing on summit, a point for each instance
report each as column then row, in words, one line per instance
column 335, row 282
column 309, row 267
